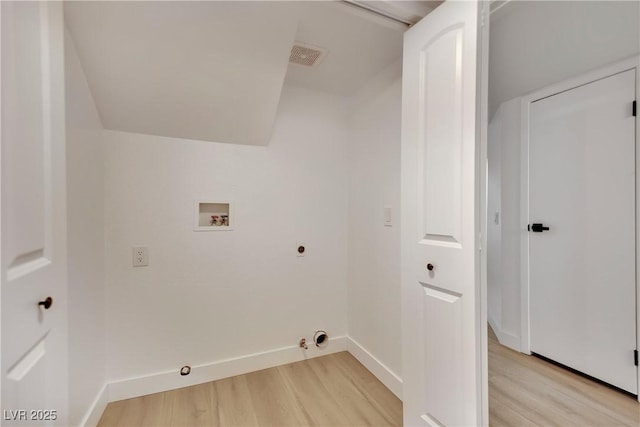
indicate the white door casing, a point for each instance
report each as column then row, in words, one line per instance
column 443, row 348
column 582, row 270
column 34, row 340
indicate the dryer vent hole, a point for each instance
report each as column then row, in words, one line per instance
column 320, row 338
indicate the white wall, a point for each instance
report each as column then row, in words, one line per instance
column 208, row 296
column 85, row 241
column 374, row 250
column 494, row 228
column 537, row 43
column 503, row 240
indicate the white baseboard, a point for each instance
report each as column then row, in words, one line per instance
column 386, row 376
column 97, row 408
column 505, row 338
column 163, row 381
column 171, row 380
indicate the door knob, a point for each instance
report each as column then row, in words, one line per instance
column 430, row 267
column 538, row 228
column 46, row 303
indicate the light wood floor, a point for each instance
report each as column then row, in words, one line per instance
column 333, row 390
column 336, row 390
column 527, row 391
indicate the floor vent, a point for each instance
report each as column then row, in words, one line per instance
column 306, row 54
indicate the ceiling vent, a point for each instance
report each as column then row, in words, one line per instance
column 306, row 54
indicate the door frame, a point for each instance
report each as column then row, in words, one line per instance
column 482, row 193
column 632, row 63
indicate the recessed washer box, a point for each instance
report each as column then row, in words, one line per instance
column 212, row 216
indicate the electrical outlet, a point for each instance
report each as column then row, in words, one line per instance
column 140, row 256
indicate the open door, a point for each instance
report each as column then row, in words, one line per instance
column 34, row 346
column 444, row 333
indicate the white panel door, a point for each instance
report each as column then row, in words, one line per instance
column 582, row 270
column 442, row 350
column 34, row 370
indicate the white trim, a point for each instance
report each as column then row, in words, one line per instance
column 505, row 338
column 92, row 417
column 381, row 11
column 583, row 79
column 600, row 73
column 525, row 345
column 482, row 193
column 496, row 5
column 638, row 216
column 386, row 376
column 365, row 14
column 170, row 380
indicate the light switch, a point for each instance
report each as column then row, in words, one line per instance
column 388, row 222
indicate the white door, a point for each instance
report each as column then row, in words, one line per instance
column 582, row 270
column 34, row 370
column 441, row 130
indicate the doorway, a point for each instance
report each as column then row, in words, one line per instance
column 526, row 65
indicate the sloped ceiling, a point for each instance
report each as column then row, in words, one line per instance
column 214, row 71
column 199, row 70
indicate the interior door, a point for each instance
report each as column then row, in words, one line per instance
column 441, row 141
column 582, row 269
column 34, row 371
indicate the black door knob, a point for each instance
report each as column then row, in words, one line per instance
column 537, row 228
column 46, row 303
column 430, row 267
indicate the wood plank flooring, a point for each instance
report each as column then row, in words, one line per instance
column 336, row 390
column 527, row 391
column 333, row 390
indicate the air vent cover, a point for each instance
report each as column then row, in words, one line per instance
column 306, row 54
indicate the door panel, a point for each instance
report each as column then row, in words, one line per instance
column 582, row 270
column 441, row 134
column 25, row 203
column 442, row 347
column 441, row 307
column 25, row 379
column 33, row 213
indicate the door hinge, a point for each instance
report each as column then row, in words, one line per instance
column 635, row 357
column 633, row 108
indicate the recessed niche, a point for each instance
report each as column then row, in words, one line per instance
column 212, row 216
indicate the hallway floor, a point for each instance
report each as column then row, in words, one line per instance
column 527, row 391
